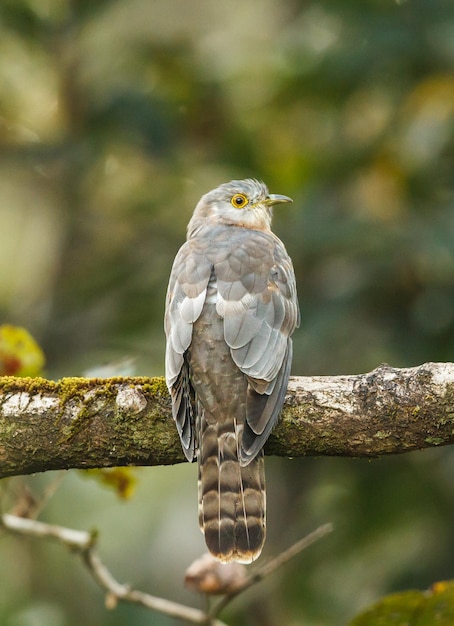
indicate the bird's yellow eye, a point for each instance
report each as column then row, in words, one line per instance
column 239, row 200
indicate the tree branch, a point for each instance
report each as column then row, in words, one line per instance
column 84, row 543
column 86, row 423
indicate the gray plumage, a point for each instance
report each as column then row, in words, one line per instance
column 230, row 311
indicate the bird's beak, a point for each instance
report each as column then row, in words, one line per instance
column 276, row 198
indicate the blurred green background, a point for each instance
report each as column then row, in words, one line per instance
column 115, row 117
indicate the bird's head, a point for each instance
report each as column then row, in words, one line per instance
column 245, row 203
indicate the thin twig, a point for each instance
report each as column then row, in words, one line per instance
column 74, row 539
column 28, row 504
column 271, row 566
column 84, row 543
column 50, row 490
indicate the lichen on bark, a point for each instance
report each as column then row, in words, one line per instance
column 87, row 423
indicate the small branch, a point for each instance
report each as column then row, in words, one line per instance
column 271, row 566
column 84, row 543
column 290, row 553
column 86, row 423
column 74, row 539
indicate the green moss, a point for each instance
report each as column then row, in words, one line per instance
column 381, row 434
column 32, row 386
column 434, row 441
column 87, row 393
column 155, row 386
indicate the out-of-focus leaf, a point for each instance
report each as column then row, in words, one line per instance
column 438, row 607
column 412, row 608
column 121, row 479
column 20, row 355
column 395, row 610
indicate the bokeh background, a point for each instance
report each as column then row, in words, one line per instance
column 115, row 116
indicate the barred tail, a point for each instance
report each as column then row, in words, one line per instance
column 231, row 496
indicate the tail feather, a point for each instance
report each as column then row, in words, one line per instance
column 231, row 496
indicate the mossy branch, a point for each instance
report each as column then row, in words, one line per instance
column 86, row 423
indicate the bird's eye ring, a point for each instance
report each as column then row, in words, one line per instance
column 239, row 200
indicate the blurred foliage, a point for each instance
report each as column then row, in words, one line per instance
column 412, row 608
column 123, row 480
column 114, row 118
column 20, row 355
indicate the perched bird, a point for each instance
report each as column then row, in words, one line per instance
column 231, row 308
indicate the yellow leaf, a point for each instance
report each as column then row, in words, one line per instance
column 121, row 479
column 440, row 586
column 20, row 355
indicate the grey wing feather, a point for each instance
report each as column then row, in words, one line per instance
column 183, row 403
column 239, row 330
column 257, row 298
column 263, row 411
column 186, row 296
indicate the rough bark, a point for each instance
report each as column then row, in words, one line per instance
column 86, row 423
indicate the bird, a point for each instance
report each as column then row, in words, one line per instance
column 231, row 308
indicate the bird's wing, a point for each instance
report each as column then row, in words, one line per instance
column 186, row 295
column 257, row 299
